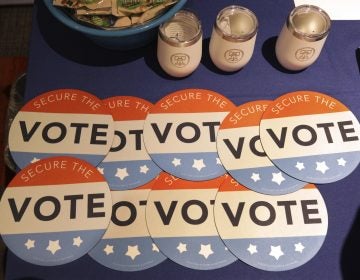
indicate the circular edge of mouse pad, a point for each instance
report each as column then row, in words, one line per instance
column 241, row 153
column 128, row 165
column 272, row 233
column 180, row 133
column 127, row 244
column 61, row 122
column 55, row 210
column 311, row 136
column 180, row 221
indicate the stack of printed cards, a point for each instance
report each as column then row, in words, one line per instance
column 192, row 178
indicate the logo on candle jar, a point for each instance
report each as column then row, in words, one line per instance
column 304, row 54
column 233, row 55
column 180, row 59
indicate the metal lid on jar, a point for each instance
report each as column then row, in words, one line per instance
column 236, row 24
column 308, row 22
column 182, row 30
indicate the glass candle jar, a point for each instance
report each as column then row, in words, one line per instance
column 233, row 38
column 179, row 46
column 302, row 37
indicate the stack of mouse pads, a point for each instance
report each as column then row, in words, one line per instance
column 192, row 178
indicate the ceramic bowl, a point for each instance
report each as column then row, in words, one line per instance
column 122, row 39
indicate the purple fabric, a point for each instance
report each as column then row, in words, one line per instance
column 60, row 58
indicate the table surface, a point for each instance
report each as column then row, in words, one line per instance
column 61, row 58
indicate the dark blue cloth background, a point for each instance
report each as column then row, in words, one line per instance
column 61, row 58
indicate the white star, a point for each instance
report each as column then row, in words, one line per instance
column 30, row 244
column 121, row 173
column 155, row 248
column 176, row 162
column 252, row 249
column 299, row 247
column 109, row 249
column 218, row 161
column 341, row 161
column 181, row 248
column 276, row 252
column 133, row 252
column 321, row 167
column 77, row 241
column 53, row 246
column 198, row 164
column 277, row 178
column 101, row 170
column 300, row 165
column 255, row 177
column 144, row 169
column 35, row 159
column 206, row 250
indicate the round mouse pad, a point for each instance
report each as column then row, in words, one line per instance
column 55, row 210
column 179, row 215
column 180, row 133
column 62, row 122
column 241, row 153
column 274, row 233
column 127, row 245
column 128, row 165
column 311, row 136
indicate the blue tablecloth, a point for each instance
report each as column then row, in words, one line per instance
column 61, row 58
